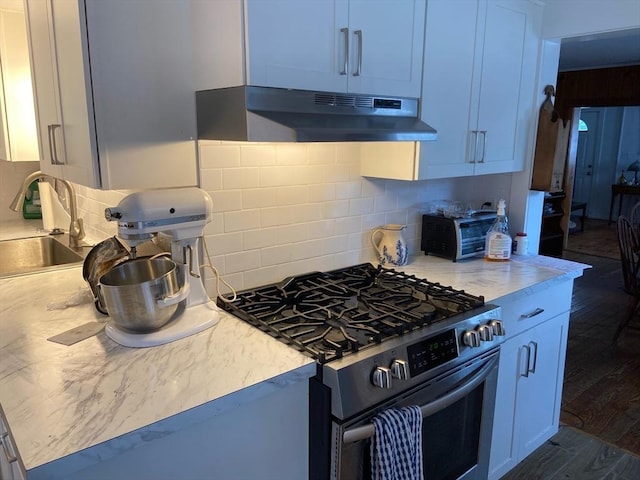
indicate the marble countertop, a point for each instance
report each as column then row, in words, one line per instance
column 60, row 399
column 21, row 228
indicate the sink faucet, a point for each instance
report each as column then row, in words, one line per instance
column 76, row 230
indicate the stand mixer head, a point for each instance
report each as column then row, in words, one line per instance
column 179, row 215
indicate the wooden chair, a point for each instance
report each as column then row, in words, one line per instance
column 634, row 218
column 630, row 256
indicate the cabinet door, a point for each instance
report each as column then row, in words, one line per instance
column 45, row 86
column 539, row 392
column 71, row 66
column 450, row 46
column 386, row 47
column 505, row 112
column 504, row 454
column 18, row 134
column 478, row 87
column 353, row 46
column 528, row 397
column 143, row 93
column 297, row 44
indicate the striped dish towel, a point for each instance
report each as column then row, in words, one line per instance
column 396, row 449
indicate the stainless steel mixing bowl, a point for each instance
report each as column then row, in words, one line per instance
column 141, row 295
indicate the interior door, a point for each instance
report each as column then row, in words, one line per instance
column 596, row 159
column 587, row 155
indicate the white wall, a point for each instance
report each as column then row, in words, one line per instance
column 568, row 18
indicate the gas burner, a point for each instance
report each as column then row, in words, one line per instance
column 332, row 314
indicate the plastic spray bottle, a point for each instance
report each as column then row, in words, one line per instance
column 498, row 242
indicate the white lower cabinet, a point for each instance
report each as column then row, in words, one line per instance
column 531, row 371
column 10, row 465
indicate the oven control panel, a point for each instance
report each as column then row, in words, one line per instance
column 432, row 352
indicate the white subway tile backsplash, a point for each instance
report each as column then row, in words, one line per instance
column 259, row 198
column 292, row 154
column 211, row 179
column 322, row 153
column 257, row 154
column 369, row 222
column 335, row 209
column 292, row 195
column 348, row 225
column 276, row 255
column 291, row 214
column 349, row 189
column 224, row 243
column 243, row 261
column 236, row 178
column 385, row 203
column 264, row 237
column 286, row 209
column 219, row 155
column 321, row 192
column 224, row 201
column 337, row 173
column 241, row 220
column 360, row 206
column 322, row 228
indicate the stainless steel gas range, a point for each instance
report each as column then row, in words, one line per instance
column 385, row 339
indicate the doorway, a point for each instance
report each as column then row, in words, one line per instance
column 597, row 159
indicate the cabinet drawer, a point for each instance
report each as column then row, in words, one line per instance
column 527, row 312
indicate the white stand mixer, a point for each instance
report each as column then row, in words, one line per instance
column 179, row 215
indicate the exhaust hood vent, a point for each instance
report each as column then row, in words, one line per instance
column 280, row 115
column 332, row 99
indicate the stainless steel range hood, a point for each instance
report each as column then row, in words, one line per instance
column 279, row 115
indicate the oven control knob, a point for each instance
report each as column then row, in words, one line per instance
column 471, row 338
column 498, row 327
column 399, row 369
column 486, row 333
column 381, row 377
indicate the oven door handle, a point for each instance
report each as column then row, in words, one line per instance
column 357, row 434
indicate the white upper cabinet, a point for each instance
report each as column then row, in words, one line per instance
column 355, row 46
column 18, row 135
column 480, row 63
column 114, row 92
column 478, row 86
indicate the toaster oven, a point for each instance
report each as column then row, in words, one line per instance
column 455, row 238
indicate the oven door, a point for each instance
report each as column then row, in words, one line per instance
column 457, row 408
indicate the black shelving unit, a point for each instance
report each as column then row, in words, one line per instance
column 551, row 233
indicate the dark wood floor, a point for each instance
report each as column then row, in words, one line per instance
column 600, row 433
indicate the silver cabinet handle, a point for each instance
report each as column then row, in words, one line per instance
column 11, row 458
column 475, row 146
column 53, row 150
column 484, row 144
column 358, row 35
column 526, row 369
column 345, row 65
column 535, row 357
column 537, row 311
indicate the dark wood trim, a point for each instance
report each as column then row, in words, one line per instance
column 602, row 87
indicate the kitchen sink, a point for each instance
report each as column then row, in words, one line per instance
column 36, row 254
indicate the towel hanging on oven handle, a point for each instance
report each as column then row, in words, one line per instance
column 357, row 434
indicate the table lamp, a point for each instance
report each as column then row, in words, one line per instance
column 635, row 168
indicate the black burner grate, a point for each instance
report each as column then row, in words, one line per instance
column 331, row 314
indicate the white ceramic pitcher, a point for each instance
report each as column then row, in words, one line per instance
column 390, row 245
